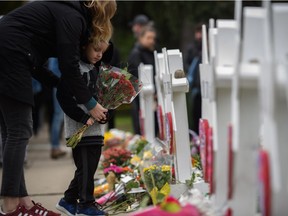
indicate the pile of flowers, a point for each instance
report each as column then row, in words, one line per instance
column 117, row 169
column 116, row 156
column 138, row 177
column 170, row 206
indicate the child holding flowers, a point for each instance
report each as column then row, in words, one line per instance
column 78, row 198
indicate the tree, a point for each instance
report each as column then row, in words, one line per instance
column 174, row 20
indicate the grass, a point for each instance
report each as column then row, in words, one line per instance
column 123, row 119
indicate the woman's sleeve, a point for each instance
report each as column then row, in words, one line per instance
column 45, row 76
column 69, row 105
column 70, row 30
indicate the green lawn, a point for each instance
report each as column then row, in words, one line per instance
column 123, row 119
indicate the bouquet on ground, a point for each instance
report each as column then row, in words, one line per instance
column 156, row 179
column 114, row 86
column 170, row 206
column 156, row 171
column 116, row 156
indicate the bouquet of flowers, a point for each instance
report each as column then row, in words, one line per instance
column 170, row 206
column 114, row 87
column 116, row 156
column 117, row 169
column 156, row 171
column 156, row 179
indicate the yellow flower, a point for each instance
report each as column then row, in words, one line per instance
column 152, row 167
column 135, row 160
column 165, row 168
column 147, row 155
column 107, row 136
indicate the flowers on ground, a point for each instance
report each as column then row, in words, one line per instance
column 117, row 169
column 113, row 168
column 156, row 179
column 116, row 156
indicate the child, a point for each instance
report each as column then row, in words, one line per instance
column 78, row 198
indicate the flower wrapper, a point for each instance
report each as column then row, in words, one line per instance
column 106, row 198
column 76, row 138
column 116, row 86
column 156, row 171
column 196, row 198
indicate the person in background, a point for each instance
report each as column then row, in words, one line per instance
column 115, row 61
column 191, row 64
column 78, row 198
column 58, row 116
column 142, row 52
column 138, row 23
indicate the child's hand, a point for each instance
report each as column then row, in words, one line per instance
column 90, row 121
column 98, row 112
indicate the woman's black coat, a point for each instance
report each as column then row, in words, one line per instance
column 34, row 32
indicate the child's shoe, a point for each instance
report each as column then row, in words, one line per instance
column 92, row 210
column 66, row 208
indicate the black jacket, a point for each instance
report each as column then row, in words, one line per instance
column 71, row 109
column 67, row 101
column 36, row 31
column 140, row 55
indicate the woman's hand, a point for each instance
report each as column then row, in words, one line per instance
column 98, row 112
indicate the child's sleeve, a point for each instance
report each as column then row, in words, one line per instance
column 69, row 104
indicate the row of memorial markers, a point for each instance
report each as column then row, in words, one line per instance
column 243, row 130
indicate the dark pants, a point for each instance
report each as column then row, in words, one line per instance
column 135, row 115
column 81, row 188
column 16, row 129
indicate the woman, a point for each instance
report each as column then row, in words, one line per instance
column 142, row 52
column 29, row 35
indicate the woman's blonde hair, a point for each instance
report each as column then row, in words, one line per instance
column 102, row 13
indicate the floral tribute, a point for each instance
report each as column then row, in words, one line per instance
column 116, row 156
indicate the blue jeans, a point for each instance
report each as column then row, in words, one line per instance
column 57, row 121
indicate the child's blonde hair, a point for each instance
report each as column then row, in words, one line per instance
column 102, row 13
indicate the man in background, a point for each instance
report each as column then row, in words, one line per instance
column 138, row 23
column 191, row 64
